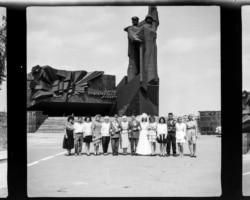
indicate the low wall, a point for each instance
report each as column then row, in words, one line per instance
column 246, row 143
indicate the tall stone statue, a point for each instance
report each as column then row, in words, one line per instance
column 138, row 92
column 133, row 49
column 146, row 34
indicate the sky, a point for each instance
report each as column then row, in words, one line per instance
column 92, row 39
column 3, row 91
column 246, row 48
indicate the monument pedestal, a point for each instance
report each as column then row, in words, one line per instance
column 133, row 98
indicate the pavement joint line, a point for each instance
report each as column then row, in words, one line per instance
column 60, row 153
column 46, row 158
column 33, row 163
column 247, row 173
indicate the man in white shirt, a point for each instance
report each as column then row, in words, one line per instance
column 78, row 136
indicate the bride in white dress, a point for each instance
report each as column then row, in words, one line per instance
column 144, row 147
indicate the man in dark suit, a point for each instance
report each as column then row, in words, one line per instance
column 171, row 137
column 134, row 129
column 115, row 135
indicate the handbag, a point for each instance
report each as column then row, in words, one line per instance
column 65, row 141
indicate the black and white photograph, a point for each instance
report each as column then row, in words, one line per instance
column 124, row 101
column 3, row 106
column 246, row 99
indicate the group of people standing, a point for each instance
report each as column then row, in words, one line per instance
column 141, row 136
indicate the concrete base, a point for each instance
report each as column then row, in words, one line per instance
column 134, row 98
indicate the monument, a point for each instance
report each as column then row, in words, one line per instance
column 138, row 92
column 60, row 92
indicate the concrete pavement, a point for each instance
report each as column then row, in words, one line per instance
column 54, row 175
column 3, row 155
column 3, row 174
column 246, row 175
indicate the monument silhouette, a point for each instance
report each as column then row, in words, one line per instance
column 138, row 92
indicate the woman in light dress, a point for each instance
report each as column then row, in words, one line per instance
column 162, row 132
column 144, row 147
column 152, row 134
column 87, row 127
column 180, row 135
column 97, row 138
column 191, row 135
column 124, row 134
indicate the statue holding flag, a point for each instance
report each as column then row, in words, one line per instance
column 145, row 33
column 138, row 92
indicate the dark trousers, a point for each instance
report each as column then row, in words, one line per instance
column 133, row 144
column 171, row 139
column 105, row 143
column 115, row 145
column 78, row 145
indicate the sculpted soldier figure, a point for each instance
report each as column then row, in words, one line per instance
column 142, row 81
column 133, row 49
column 147, row 33
column 144, row 34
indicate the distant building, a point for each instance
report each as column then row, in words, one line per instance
column 208, row 122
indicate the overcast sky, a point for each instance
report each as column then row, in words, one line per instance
column 246, row 47
column 3, row 91
column 92, row 38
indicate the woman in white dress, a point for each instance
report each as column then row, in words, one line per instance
column 124, row 134
column 192, row 135
column 180, row 135
column 144, row 147
column 97, row 137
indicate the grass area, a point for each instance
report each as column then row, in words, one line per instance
column 3, row 138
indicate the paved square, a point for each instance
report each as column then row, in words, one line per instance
column 246, row 175
column 3, row 179
column 51, row 174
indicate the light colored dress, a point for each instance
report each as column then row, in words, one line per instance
column 124, row 134
column 144, row 147
column 152, row 132
column 97, row 137
column 162, row 132
column 180, row 132
column 191, row 131
column 87, row 127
